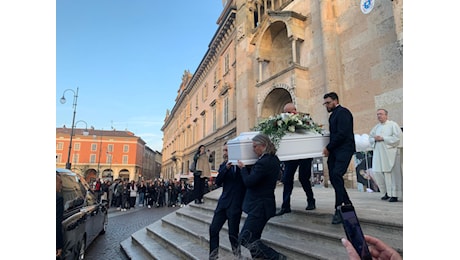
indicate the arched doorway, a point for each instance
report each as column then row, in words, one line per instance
column 124, row 175
column 107, row 174
column 274, row 102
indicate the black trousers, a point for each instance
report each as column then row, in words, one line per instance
column 117, row 200
column 304, row 178
column 198, row 186
column 338, row 166
column 218, row 221
column 250, row 237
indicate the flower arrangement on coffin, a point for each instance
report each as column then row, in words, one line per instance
column 275, row 127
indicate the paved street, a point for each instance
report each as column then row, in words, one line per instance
column 121, row 226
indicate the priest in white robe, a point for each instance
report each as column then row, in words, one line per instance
column 385, row 138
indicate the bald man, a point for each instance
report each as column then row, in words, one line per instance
column 290, row 168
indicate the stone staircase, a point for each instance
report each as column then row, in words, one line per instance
column 300, row 234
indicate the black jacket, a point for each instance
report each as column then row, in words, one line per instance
column 260, row 184
column 342, row 138
column 233, row 188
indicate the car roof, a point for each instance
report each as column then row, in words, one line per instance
column 62, row 170
column 65, row 171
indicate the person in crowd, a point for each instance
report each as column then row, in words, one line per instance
column 132, row 193
column 378, row 249
column 112, row 192
column 125, row 205
column 59, row 217
column 166, row 193
column 169, row 187
column 259, row 200
column 154, row 191
column 148, row 194
column 339, row 150
column 385, row 138
column 202, row 172
column 172, row 193
column 184, row 191
column 290, row 168
column 229, row 206
column 118, row 193
column 142, row 189
column 97, row 189
column 105, row 192
column 177, row 188
column 175, row 193
column 160, row 190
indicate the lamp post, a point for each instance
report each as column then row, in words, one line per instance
column 85, row 132
column 99, row 159
column 109, row 155
column 63, row 100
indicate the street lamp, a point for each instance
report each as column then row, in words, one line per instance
column 109, row 155
column 62, row 100
column 99, row 159
column 85, row 132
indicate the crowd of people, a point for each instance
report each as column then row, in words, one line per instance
column 151, row 193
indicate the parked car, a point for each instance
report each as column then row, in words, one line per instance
column 84, row 217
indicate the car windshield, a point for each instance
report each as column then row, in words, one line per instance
column 72, row 192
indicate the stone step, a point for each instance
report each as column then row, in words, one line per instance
column 183, row 242
column 315, row 237
column 300, row 234
column 141, row 246
column 197, row 230
column 312, row 224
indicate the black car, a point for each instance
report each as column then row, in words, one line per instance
column 84, row 217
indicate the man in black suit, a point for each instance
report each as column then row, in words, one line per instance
column 340, row 149
column 291, row 166
column 229, row 207
column 259, row 202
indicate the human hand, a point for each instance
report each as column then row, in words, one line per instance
column 378, row 138
column 240, row 164
column 229, row 165
column 377, row 248
column 325, row 152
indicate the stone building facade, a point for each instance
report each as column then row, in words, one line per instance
column 267, row 53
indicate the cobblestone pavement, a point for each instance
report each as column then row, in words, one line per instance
column 121, row 226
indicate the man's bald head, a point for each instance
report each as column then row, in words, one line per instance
column 290, row 108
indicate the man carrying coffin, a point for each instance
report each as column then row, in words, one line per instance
column 291, row 166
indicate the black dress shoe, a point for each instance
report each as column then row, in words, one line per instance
column 310, row 206
column 282, row 211
column 393, row 199
column 336, row 219
column 385, row 197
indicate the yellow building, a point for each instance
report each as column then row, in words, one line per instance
column 267, row 53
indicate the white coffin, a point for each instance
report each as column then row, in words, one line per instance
column 292, row 146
